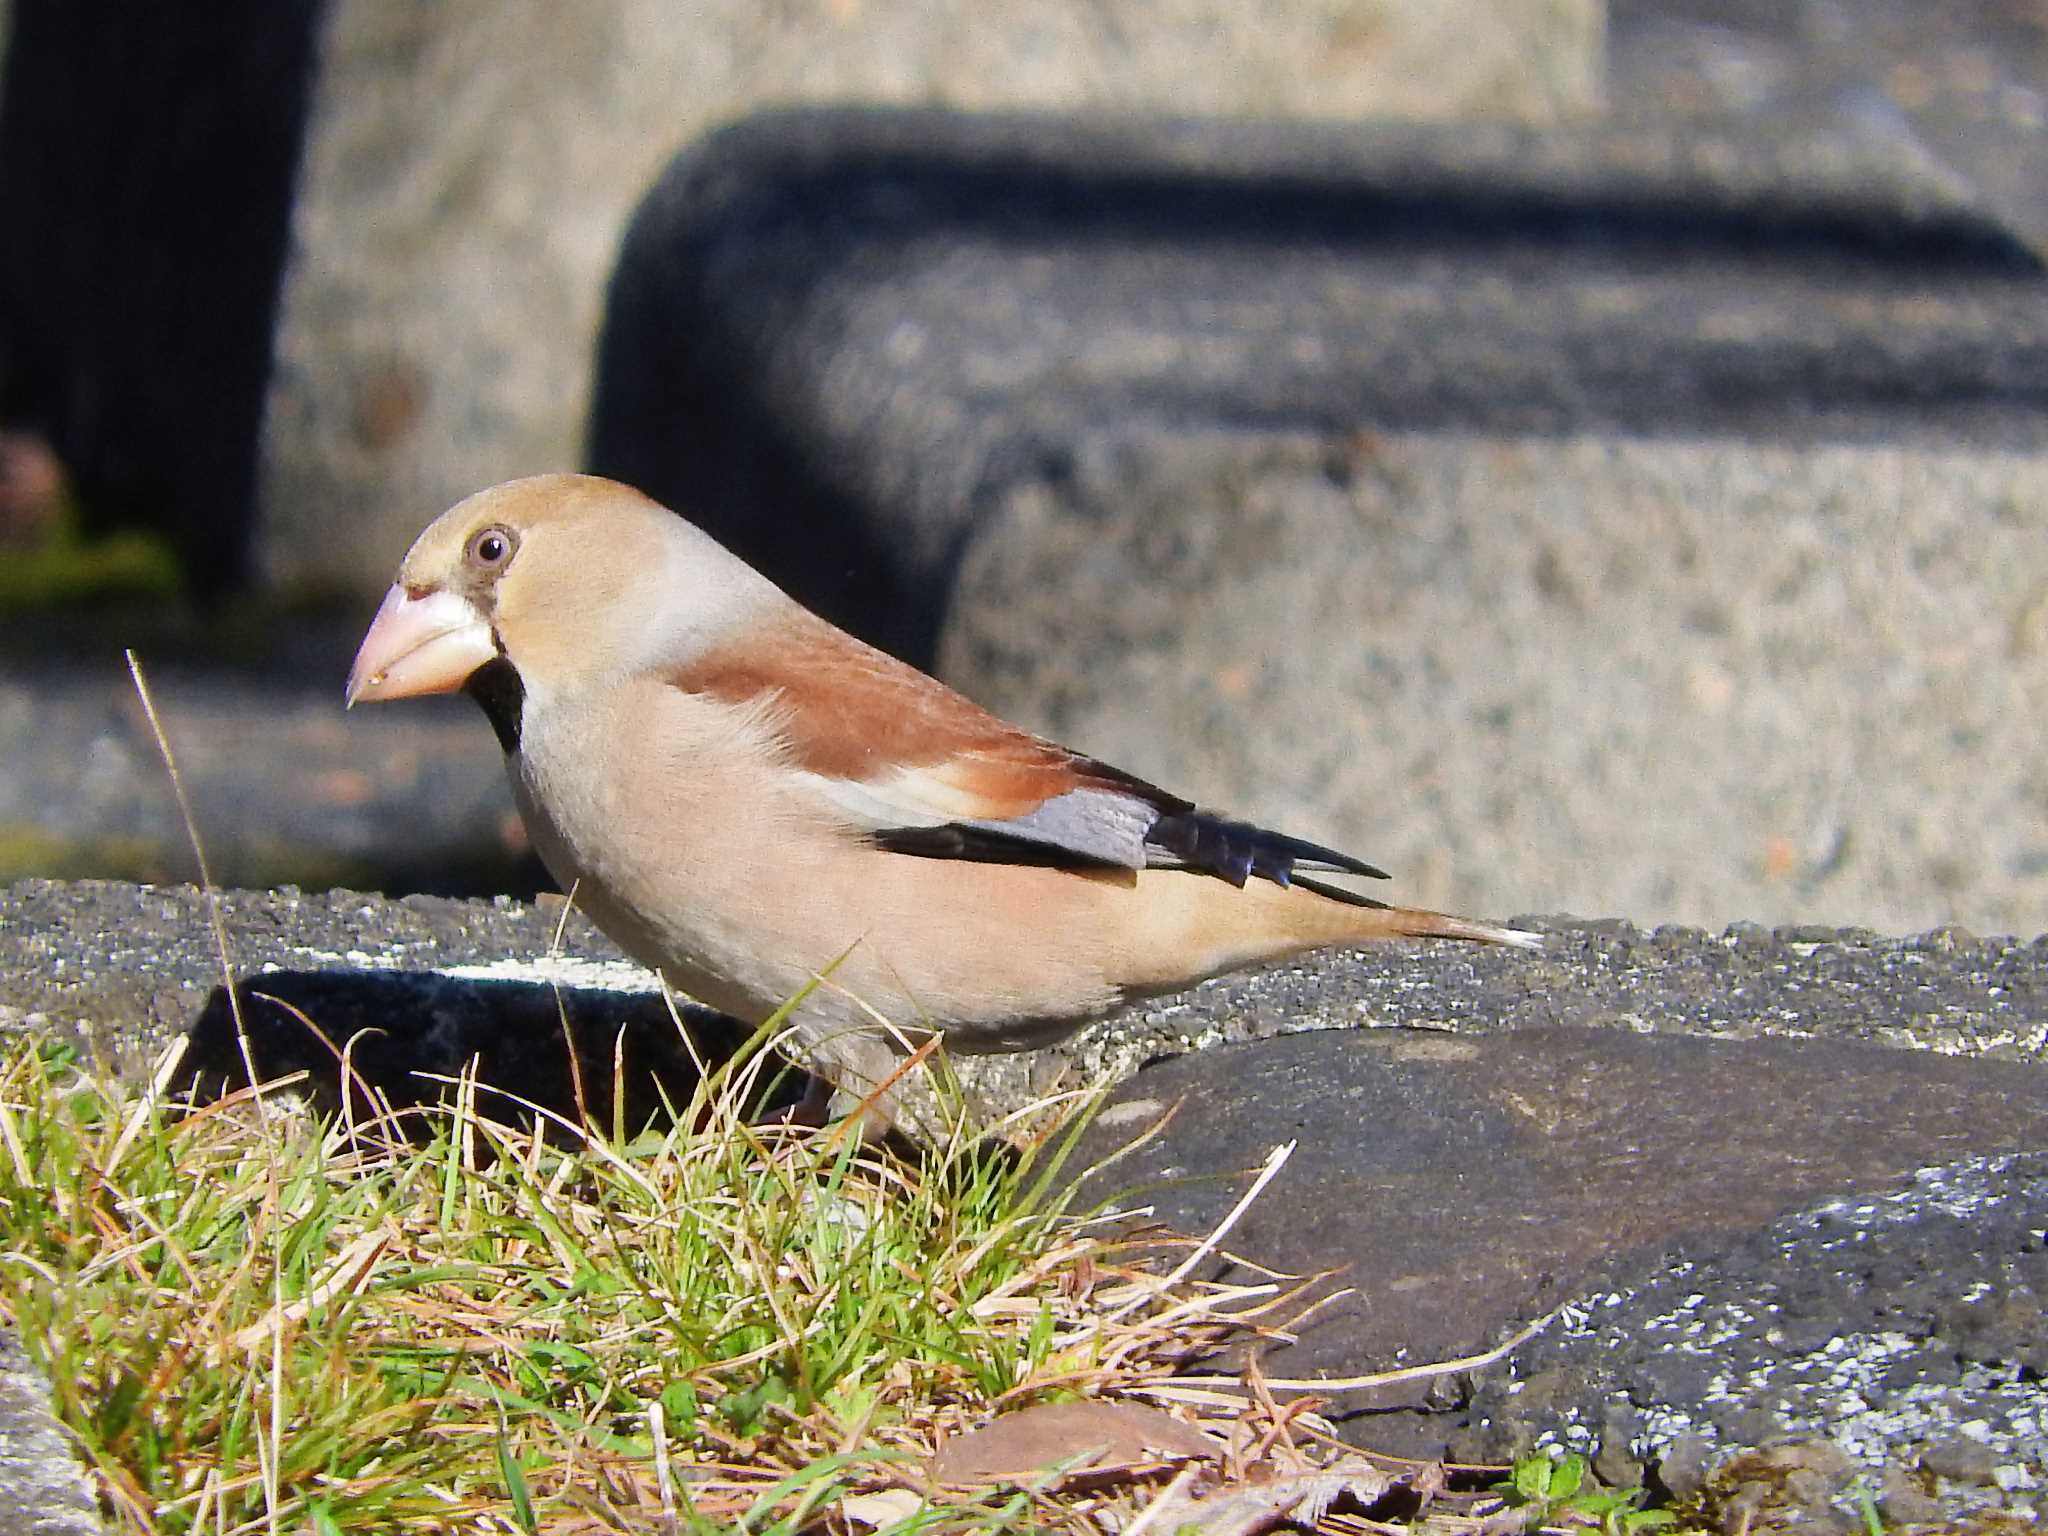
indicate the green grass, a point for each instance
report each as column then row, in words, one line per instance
column 254, row 1320
column 257, row 1320
column 65, row 566
column 1561, row 1495
column 251, row 1318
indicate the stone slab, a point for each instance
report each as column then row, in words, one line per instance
column 1613, row 519
column 887, row 319
column 285, row 788
column 1902, row 1330
column 139, row 963
column 133, row 966
column 1749, row 1239
column 1695, row 679
column 1957, row 84
column 1681, row 1133
column 43, row 1489
column 1648, row 1110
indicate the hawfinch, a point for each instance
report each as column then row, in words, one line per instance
column 746, row 798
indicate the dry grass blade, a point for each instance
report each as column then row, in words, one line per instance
column 216, row 924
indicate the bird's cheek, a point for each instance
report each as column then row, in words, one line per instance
column 429, row 643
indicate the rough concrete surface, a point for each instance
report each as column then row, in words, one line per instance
column 138, row 963
column 1694, row 681
column 1961, row 85
column 837, row 339
column 1660, row 502
column 1905, row 1329
column 43, row 1490
column 469, row 166
column 284, row 787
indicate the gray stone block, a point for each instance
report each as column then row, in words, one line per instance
column 284, row 788
column 1597, row 520
column 43, row 1489
column 1692, row 680
column 1843, row 1236
column 1957, row 86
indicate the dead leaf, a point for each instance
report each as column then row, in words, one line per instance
column 1091, row 1437
column 888, row 1506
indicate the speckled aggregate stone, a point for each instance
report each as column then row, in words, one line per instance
column 43, row 1490
column 139, row 961
column 1885, row 1326
column 1948, row 991
column 1736, row 1241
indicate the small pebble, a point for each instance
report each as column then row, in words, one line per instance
column 1683, row 1467
column 1902, row 1501
column 1615, row 1463
column 1961, row 1460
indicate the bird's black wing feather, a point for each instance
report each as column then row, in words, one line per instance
column 984, row 845
column 1180, row 837
column 1193, row 840
column 1237, row 850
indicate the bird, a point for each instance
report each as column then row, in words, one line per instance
column 753, row 802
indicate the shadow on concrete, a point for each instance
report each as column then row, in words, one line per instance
column 618, row 1060
column 833, row 337
column 286, row 787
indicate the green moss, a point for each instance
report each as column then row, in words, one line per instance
column 65, row 566
column 30, row 851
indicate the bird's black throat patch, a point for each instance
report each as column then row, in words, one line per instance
column 495, row 685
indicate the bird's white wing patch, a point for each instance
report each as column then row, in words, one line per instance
column 895, row 801
column 1096, row 824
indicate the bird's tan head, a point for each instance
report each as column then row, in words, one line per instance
column 564, row 579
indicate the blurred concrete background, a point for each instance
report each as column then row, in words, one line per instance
column 471, row 166
column 1636, row 508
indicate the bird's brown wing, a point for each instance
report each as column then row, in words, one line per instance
column 921, row 769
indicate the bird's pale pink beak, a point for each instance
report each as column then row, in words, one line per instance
column 425, row 644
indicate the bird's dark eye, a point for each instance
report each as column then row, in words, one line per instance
column 490, row 548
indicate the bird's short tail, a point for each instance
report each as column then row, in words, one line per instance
column 1196, row 926
column 1413, row 923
